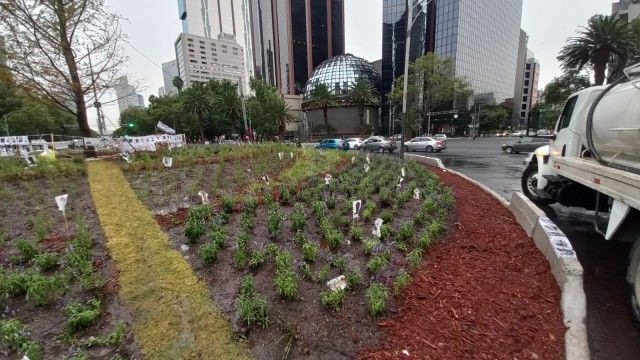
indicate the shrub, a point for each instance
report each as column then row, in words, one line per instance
column 300, row 239
column 356, row 233
column 401, row 281
column 377, row 297
column 306, row 272
column 435, row 228
column 78, row 260
column 424, row 241
column 46, row 261
column 274, row 222
column 385, row 232
column 323, row 274
column 318, row 210
column 368, row 246
column 218, row 236
column 310, row 251
column 208, row 253
column 14, row 333
column 402, row 246
column 194, row 230
column 257, row 259
column 285, row 196
column 250, row 205
column 26, row 249
column 386, row 198
column 378, row 262
column 405, row 196
column 228, row 204
column 80, row 316
column 252, row 308
column 241, row 255
column 272, row 250
column 414, row 258
column 285, row 280
column 246, row 222
column 332, row 299
column 298, row 219
column 14, row 283
column 354, row 278
column 200, row 213
column 368, row 209
column 405, row 233
column 339, row 262
column 387, row 216
column 331, row 203
column 42, row 290
column 334, row 238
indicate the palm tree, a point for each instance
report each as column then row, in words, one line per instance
column 362, row 94
column 196, row 102
column 605, row 40
column 322, row 97
column 178, row 83
column 280, row 112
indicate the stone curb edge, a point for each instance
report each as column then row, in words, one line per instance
column 557, row 249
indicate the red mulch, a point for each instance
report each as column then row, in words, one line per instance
column 169, row 221
column 484, row 292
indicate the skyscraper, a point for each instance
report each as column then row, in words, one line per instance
column 213, row 18
column 517, row 92
column 170, row 71
column 127, row 95
column 529, row 97
column 481, row 37
column 292, row 37
column 627, row 10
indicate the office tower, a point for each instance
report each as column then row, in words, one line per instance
column 127, row 95
column 292, row 37
column 529, row 97
column 481, row 37
column 214, row 19
column 626, row 9
column 517, row 93
column 201, row 59
column 169, row 71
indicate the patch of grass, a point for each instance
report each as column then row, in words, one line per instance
column 331, row 203
column 46, row 261
column 14, row 334
column 306, row 272
column 385, row 232
column 113, row 339
column 241, row 254
column 208, row 253
column 298, row 218
column 368, row 210
column 252, row 307
column 300, row 239
column 310, row 252
column 80, row 316
column 14, row 283
column 401, row 281
column 285, row 280
column 378, row 262
column 14, row 169
column 78, row 260
column 285, row 196
column 218, row 236
column 414, row 259
column 377, row 295
column 26, row 249
column 332, row 299
column 424, row 241
column 274, row 222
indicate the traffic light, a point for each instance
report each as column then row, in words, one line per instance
column 130, row 124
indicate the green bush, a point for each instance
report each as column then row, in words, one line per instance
column 300, row 239
column 401, row 281
column 356, row 233
column 285, row 196
column 368, row 246
column 310, row 252
column 354, row 278
column 339, row 262
column 367, row 210
column 257, row 259
column 406, row 233
column 241, row 254
column 318, row 210
column 387, row 215
column 218, row 236
column 298, row 219
column 323, row 273
column 274, row 222
column 435, row 228
column 80, row 316
column 26, row 249
column 377, row 297
column 251, row 306
column 285, row 280
column 46, row 261
column 250, row 205
column 306, row 272
column 208, row 253
column 424, row 241
column 378, row 262
column 385, row 232
column 78, row 260
column 200, row 213
column 272, row 250
column 43, row 290
column 332, row 299
column 414, row 259
column 194, row 230
column 14, row 334
column 14, row 283
column 40, row 227
column 331, row 203
column 334, row 239
column 228, row 204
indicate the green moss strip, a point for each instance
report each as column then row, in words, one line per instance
column 174, row 317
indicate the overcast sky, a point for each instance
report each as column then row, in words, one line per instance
column 153, row 26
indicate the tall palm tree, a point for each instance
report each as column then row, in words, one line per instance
column 322, row 98
column 280, row 112
column 196, row 102
column 361, row 94
column 605, row 40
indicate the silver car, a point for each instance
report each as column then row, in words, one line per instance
column 379, row 144
column 424, row 144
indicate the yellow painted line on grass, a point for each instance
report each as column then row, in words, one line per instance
column 173, row 315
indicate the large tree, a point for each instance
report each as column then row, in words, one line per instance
column 54, row 44
column 269, row 113
column 196, row 101
column 604, row 42
column 560, row 88
column 321, row 97
column 361, row 94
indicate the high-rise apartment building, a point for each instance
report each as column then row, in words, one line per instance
column 481, row 37
column 292, row 37
column 169, row 72
column 127, row 95
column 517, row 92
column 201, row 59
column 214, row 19
column 529, row 96
column 626, row 9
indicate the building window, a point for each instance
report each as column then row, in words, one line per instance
column 528, row 66
column 527, row 75
column 525, row 91
column 524, row 106
column 526, row 83
column 523, row 114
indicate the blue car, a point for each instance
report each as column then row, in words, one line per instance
column 336, row 144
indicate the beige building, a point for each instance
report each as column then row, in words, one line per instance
column 201, row 59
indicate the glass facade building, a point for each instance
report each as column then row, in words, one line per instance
column 341, row 72
column 292, row 37
column 482, row 37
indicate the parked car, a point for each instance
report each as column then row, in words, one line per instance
column 442, row 137
column 355, row 143
column 425, row 144
column 520, row 133
column 379, row 144
column 336, row 144
column 526, row 144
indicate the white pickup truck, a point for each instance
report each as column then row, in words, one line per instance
column 593, row 161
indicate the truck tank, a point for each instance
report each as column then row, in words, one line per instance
column 616, row 125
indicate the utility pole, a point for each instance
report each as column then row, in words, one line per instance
column 101, row 126
column 407, row 45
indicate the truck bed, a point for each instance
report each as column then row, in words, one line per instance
column 620, row 185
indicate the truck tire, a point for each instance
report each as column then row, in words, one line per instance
column 633, row 278
column 529, row 181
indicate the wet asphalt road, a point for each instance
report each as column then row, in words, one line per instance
column 612, row 334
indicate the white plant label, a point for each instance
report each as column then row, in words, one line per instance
column 167, row 161
column 400, row 183
column 357, row 205
column 204, row 196
column 402, row 172
column 353, row 160
column 366, row 168
column 291, row 154
column 126, row 158
column 61, row 201
column 368, row 159
column 327, row 179
column 416, row 194
column 377, row 225
column 266, row 179
column 281, row 155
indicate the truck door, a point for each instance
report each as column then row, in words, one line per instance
column 564, row 135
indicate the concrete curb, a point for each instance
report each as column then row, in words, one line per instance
column 557, row 249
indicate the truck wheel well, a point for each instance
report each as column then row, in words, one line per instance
column 628, row 232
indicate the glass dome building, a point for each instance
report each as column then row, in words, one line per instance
column 340, row 72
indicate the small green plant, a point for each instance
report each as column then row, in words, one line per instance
column 331, row 203
column 334, row 238
column 201, row 213
column 306, row 272
column 208, row 253
column 367, row 210
column 298, row 220
column 378, row 262
column 356, row 233
column 285, row 280
column 405, row 233
column 241, row 255
column 46, row 261
column 42, row 290
column 40, row 227
column 300, row 239
column 272, row 250
column 332, row 299
column 318, row 210
column 339, row 262
column 387, row 216
column 250, row 205
column 274, row 222
column 78, row 260
column 354, row 278
column 377, row 297
column 80, row 316
column 401, row 281
column 424, row 241
column 14, row 333
column 310, row 252
column 435, row 228
column 257, row 259
column 252, row 307
column 323, row 274
column 414, row 259
column 368, row 246
column 26, row 249
column 246, row 222
column 218, row 236
column 194, row 230
column 386, row 198
column 385, row 232
column 228, row 204
column 113, row 339
column 285, row 196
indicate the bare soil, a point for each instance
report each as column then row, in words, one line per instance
column 26, row 203
column 485, row 292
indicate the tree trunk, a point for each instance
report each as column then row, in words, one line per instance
column 600, row 67
column 326, row 120
column 201, row 126
column 361, row 119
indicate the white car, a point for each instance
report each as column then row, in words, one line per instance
column 424, row 144
column 355, row 143
column 442, row 137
